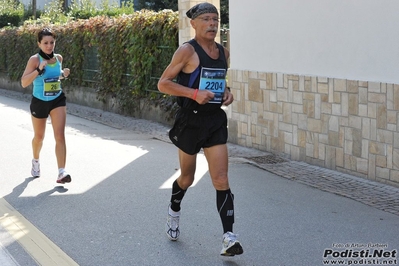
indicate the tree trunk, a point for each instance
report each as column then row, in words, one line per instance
column 34, row 8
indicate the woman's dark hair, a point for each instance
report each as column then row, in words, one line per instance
column 45, row 32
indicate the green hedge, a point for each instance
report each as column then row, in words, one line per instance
column 11, row 13
column 130, row 51
column 12, row 19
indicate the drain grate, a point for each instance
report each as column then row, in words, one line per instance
column 268, row 159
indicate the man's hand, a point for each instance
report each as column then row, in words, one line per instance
column 204, row 96
column 228, row 97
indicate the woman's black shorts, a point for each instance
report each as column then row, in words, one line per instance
column 41, row 109
column 194, row 130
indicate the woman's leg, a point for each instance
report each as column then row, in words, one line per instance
column 58, row 120
column 39, row 129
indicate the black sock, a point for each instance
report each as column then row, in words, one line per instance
column 177, row 196
column 225, row 205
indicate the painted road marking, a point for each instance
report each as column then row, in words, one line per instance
column 36, row 244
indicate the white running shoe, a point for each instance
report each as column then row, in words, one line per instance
column 63, row 178
column 35, row 172
column 230, row 245
column 172, row 225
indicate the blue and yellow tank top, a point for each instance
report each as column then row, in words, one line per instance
column 47, row 87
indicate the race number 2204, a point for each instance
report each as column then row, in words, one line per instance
column 214, row 80
column 214, row 86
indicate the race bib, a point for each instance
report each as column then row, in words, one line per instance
column 214, row 80
column 52, row 86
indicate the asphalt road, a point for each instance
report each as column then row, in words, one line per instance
column 114, row 211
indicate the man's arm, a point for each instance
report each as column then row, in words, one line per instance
column 184, row 59
column 179, row 60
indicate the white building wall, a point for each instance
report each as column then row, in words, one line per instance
column 347, row 39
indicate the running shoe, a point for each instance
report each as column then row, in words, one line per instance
column 63, row 178
column 172, row 225
column 230, row 245
column 35, row 172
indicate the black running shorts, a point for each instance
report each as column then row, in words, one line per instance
column 193, row 130
column 41, row 109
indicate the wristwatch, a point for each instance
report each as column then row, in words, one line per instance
column 40, row 71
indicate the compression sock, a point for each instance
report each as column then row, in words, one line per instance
column 225, row 205
column 177, row 196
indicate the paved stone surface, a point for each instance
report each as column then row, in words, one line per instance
column 378, row 195
column 381, row 196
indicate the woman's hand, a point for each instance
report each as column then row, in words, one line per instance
column 42, row 65
column 66, row 72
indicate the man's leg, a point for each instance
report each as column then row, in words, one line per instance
column 185, row 180
column 218, row 168
column 179, row 188
column 217, row 157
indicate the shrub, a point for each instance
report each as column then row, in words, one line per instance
column 130, row 50
column 53, row 13
column 11, row 13
column 85, row 9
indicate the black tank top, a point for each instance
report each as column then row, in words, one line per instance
column 192, row 80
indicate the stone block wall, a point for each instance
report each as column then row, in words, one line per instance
column 345, row 125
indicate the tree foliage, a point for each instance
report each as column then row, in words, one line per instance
column 158, row 5
column 224, row 12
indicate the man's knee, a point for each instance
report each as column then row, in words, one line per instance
column 185, row 181
column 220, row 182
